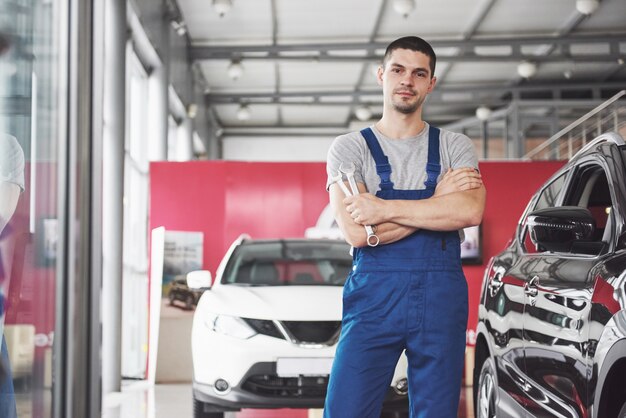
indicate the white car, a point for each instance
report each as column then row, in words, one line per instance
column 265, row 334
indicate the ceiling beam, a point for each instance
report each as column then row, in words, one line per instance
column 476, row 21
column 365, row 65
column 511, row 49
column 443, row 93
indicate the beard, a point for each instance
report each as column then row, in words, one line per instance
column 407, row 107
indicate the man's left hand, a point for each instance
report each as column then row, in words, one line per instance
column 366, row 209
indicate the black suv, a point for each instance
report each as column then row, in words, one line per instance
column 552, row 315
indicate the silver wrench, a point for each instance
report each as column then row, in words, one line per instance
column 339, row 180
column 348, row 170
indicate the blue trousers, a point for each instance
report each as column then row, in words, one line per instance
column 422, row 310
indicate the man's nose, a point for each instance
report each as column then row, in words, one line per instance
column 407, row 79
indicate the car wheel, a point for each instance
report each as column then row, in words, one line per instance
column 198, row 411
column 172, row 298
column 487, row 391
column 622, row 412
column 189, row 300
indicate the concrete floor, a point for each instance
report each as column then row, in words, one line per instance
column 140, row 400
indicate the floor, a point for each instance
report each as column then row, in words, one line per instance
column 140, row 400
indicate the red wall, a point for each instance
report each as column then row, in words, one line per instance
column 269, row 200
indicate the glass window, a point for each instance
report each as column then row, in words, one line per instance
column 32, row 110
column 282, row 263
column 547, row 198
column 589, row 189
column 135, row 259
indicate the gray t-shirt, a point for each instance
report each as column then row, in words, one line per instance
column 407, row 157
column 11, row 160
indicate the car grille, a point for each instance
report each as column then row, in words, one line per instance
column 287, row 387
column 314, row 332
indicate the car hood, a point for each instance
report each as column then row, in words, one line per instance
column 288, row 303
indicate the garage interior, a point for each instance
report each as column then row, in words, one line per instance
column 136, row 115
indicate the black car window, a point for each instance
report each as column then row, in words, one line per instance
column 284, row 263
column 547, row 198
column 589, row 189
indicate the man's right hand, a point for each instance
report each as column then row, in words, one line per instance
column 466, row 178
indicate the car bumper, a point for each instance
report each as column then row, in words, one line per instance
column 302, row 392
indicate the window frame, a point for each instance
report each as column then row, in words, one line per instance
column 532, row 205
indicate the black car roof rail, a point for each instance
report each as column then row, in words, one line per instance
column 605, row 137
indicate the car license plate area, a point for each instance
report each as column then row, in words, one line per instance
column 294, row 367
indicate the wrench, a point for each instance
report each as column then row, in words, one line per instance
column 348, row 170
column 339, row 180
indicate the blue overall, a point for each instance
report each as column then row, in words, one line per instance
column 411, row 295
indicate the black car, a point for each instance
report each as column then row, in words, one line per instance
column 179, row 291
column 552, row 314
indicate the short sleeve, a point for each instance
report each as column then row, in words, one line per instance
column 11, row 161
column 462, row 152
column 344, row 149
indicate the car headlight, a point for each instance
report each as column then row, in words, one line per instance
column 231, row 326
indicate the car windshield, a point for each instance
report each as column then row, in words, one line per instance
column 288, row 263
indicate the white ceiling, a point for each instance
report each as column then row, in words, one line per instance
column 284, row 24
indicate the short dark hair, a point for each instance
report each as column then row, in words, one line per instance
column 413, row 43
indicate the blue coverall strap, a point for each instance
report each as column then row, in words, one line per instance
column 383, row 168
column 433, row 166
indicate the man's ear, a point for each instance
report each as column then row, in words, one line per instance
column 379, row 75
column 433, row 81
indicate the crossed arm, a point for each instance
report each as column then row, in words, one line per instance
column 458, row 202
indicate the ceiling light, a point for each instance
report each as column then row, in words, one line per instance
column 527, row 69
column 567, row 74
column 243, row 113
column 620, row 61
column 483, row 113
column 222, row 7
column 587, row 7
column 363, row 113
column 403, row 7
column 235, row 70
column 179, row 27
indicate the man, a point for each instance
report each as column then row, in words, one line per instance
column 11, row 186
column 409, row 292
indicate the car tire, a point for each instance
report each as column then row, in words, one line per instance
column 487, row 396
column 198, row 411
column 622, row 412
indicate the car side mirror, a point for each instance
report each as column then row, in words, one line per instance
column 558, row 229
column 199, row 279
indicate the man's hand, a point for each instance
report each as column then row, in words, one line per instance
column 366, row 209
column 465, row 178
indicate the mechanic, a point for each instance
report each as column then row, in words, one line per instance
column 409, row 292
column 11, row 185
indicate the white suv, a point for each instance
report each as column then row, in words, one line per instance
column 265, row 334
